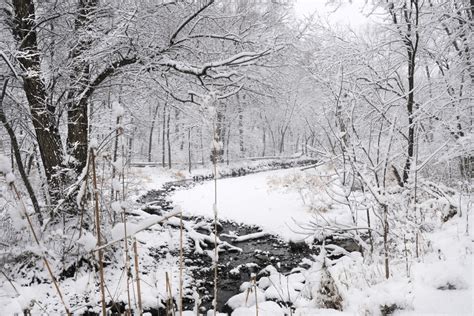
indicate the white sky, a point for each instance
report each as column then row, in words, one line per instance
column 347, row 14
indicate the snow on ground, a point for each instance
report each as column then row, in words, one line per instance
column 425, row 290
column 81, row 289
column 440, row 282
column 252, row 200
column 152, row 178
column 443, row 279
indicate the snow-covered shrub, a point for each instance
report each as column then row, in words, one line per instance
column 328, row 295
column 312, row 187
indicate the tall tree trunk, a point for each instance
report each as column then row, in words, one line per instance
column 163, row 143
column 241, row 127
column 410, row 105
column 47, row 133
column 273, row 142
column 410, row 38
column 77, row 136
column 227, row 145
column 77, row 112
column 281, row 147
column 202, row 147
column 130, row 147
column 150, row 138
column 189, row 150
column 264, row 141
column 168, row 138
column 115, row 153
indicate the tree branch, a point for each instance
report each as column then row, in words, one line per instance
column 106, row 73
column 186, row 22
column 17, row 154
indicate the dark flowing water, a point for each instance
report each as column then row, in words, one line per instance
column 234, row 268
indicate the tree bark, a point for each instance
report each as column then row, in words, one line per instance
column 168, row 138
column 241, row 127
column 77, row 112
column 410, row 38
column 43, row 117
column 227, row 143
column 202, row 147
column 163, row 144
column 150, row 138
column 189, row 150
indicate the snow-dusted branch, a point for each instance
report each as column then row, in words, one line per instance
column 243, row 58
column 105, row 74
column 9, row 64
column 188, row 20
column 147, row 223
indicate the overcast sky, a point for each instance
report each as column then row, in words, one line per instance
column 347, row 14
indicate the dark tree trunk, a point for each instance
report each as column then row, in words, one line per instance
column 264, row 142
column 189, row 150
column 281, row 147
column 43, row 118
column 411, row 125
column 410, row 38
column 150, row 138
column 77, row 112
column 115, row 154
column 227, row 142
column 168, row 138
column 77, row 135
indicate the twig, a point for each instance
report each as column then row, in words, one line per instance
column 127, row 264
column 254, row 279
column 137, row 276
column 10, row 281
column 216, row 251
column 181, row 264
column 97, row 224
column 169, row 305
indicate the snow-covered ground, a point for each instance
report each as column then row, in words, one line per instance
column 262, row 199
column 265, row 200
column 439, row 282
column 248, row 200
column 81, row 291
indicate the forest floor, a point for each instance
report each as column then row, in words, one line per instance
column 264, row 233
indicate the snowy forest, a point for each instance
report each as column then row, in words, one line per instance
column 236, row 157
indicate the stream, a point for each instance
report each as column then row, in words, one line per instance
column 234, row 267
